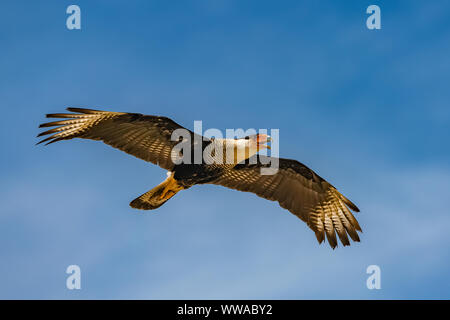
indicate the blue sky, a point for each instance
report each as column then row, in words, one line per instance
column 367, row 110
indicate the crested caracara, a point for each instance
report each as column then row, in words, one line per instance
column 296, row 187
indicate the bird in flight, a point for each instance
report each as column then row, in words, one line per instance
column 296, row 187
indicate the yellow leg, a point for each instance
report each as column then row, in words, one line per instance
column 170, row 189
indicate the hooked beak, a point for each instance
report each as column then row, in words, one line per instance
column 262, row 142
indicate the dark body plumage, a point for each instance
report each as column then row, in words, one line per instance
column 192, row 174
column 296, row 187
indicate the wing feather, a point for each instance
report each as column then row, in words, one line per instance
column 145, row 137
column 301, row 191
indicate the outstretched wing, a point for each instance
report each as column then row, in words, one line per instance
column 145, row 137
column 301, row 191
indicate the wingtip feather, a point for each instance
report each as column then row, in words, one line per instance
column 349, row 203
column 83, row 110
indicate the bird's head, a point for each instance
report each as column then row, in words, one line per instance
column 248, row 146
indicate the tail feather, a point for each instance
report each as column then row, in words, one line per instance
column 157, row 196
